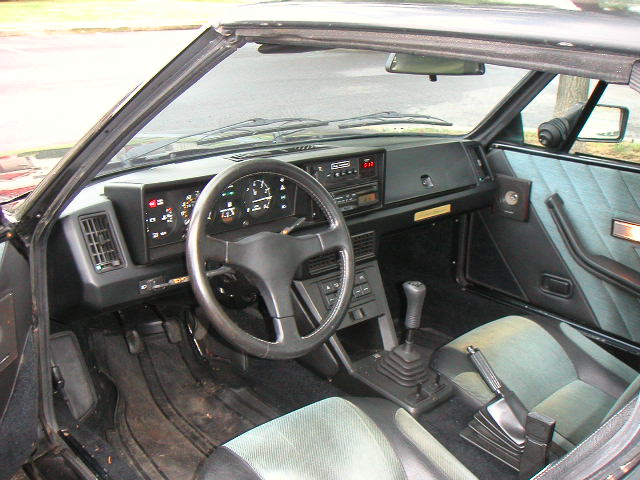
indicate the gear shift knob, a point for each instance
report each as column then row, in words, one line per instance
column 415, row 292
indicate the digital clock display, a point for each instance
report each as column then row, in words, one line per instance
column 367, row 163
column 367, row 166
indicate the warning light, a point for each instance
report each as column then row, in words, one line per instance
column 153, row 203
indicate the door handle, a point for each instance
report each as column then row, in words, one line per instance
column 603, row 267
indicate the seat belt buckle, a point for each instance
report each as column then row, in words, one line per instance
column 539, row 430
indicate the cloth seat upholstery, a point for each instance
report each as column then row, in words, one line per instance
column 358, row 439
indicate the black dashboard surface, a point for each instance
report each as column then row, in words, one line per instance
column 381, row 184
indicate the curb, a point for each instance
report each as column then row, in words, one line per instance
column 98, row 29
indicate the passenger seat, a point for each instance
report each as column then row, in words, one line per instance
column 552, row 368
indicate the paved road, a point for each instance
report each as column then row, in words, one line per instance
column 54, row 87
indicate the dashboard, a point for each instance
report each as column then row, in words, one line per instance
column 123, row 236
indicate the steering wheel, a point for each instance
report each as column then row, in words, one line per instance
column 270, row 261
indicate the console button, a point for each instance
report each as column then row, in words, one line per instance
column 357, row 314
column 331, row 299
column 361, row 278
column 357, row 292
column 366, row 289
column 327, row 287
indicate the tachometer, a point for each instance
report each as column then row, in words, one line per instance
column 257, row 198
column 186, row 207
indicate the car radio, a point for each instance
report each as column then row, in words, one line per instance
column 354, row 182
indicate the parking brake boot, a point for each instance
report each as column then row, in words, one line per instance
column 505, row 428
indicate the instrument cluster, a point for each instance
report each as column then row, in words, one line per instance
column 250, row 201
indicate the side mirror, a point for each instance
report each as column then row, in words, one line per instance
column 432, row 66
column 606, row 124
column 553, row 133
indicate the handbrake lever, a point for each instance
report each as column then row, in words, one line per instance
column 507, row 410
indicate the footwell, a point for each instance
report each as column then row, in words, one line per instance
column 171, row 411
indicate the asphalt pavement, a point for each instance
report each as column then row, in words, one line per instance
column 53, row 88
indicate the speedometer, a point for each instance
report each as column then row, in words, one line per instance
column 257, row 198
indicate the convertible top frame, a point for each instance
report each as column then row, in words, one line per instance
column 603, row 45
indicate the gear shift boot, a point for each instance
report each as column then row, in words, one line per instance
column 404, row 364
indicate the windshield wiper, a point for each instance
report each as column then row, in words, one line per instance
column 386, row 118
column 255, row 126
column 245, row 128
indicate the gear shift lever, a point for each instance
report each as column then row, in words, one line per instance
column 404, row 364
column 415, row 292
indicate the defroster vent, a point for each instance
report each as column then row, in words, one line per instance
column 363, row 248
column 102, row 247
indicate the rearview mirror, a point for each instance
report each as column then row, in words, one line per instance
column 432, row 66
column 606, row 124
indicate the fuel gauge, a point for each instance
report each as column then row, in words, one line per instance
column 228, row 211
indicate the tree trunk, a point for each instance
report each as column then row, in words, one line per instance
column 571, row 90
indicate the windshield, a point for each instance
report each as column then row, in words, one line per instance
column 255, row 98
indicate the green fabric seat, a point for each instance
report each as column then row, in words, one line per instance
column 336, row 438
column 554, row 370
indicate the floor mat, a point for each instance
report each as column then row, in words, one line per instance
column 302, row 386
column 170, row 417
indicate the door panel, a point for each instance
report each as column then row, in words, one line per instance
column 593, row 197
column 18, row 368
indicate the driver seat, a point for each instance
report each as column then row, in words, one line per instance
column 335, row 438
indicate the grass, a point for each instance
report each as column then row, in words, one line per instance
column 27, row 14
column 627, row 151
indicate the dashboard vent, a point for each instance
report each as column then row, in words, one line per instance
column 102, row 247
column 364, row 247
column 238, row 157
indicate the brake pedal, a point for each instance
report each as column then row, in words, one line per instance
column 173, row 330
column 134, row 341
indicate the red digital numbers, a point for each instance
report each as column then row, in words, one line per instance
column 368, row 164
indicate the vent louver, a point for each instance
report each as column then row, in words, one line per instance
column 98, row 237
column 238, row 157
column 363, row 248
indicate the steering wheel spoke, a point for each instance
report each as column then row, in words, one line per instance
column 215, row 249
column 310, row 245
column 277, row 296
column 286, row 330
column 332, row 239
